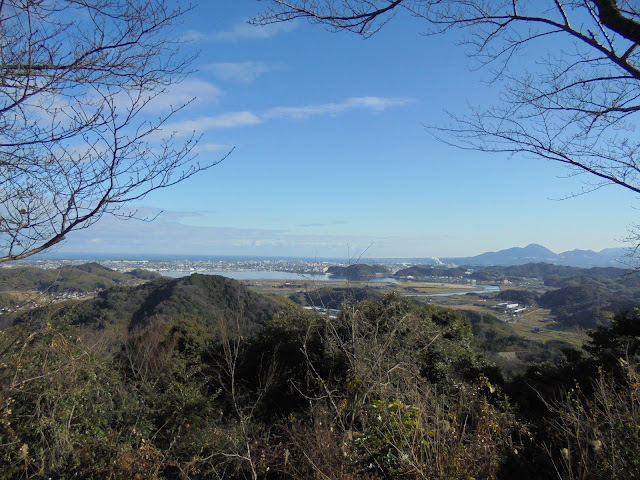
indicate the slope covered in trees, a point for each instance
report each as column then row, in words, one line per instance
column 206, row 299
column 335, row 297
column 389, row 389
column 427, row 271
column 357, row 271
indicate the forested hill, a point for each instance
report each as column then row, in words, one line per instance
column 205, row 298
column 358, row 271
column 551, row 275
column 81, row 278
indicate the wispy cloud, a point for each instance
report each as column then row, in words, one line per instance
column 185, row 91
column 320, row 224
column 305, row 225
column 241, row 31
column 377, row 104
column 241, row 119
column 211, row 147
column 204, row 123
column 176, row 96
column 245, row 72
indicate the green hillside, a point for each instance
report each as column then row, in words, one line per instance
column 82, row 278
column 206, row 299
column 335, row 297
column 360, row 272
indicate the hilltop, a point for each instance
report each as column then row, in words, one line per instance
column 358, row 272
column 206, row 299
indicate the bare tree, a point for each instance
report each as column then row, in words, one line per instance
column 573, row 106
column 76, row 141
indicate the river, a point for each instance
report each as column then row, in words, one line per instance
column 288, row 276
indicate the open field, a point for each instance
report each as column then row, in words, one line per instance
column 289, row 287
column 535, row 324
column 433, row 288
column 15, row 298
column 473, row 308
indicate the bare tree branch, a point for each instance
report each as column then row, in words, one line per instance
column 76, row 78
column 574, row 106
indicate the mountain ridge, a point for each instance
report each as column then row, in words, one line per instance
column 535, row 253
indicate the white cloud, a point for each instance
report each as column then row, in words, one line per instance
column 241, row 31
column 246, row 118
column 204, row 123
column 268, row 243
column 245, row 72
column 211, row 147
column 355, row 103
column 194, row 36
column 229, row 120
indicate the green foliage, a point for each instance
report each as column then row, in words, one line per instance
column 58, row 400
column 583, row 306
column 66, row 411
column 165, row 365
column 570, row 296
column 392, row 429
column 8, row 300
column 596, row 435
column 293, row 338
column 492, row 336
column 455, row 435
column 619, row 341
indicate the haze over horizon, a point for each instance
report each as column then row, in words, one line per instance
column 354, row 256
column 331, row 157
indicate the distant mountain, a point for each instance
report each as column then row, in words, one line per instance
column 609, row 257
column 534, row 253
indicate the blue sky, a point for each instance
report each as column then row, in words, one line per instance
column 332, row 158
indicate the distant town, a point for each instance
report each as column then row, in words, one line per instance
column 186, row 266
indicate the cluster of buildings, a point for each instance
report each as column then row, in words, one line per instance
column 512, row 308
